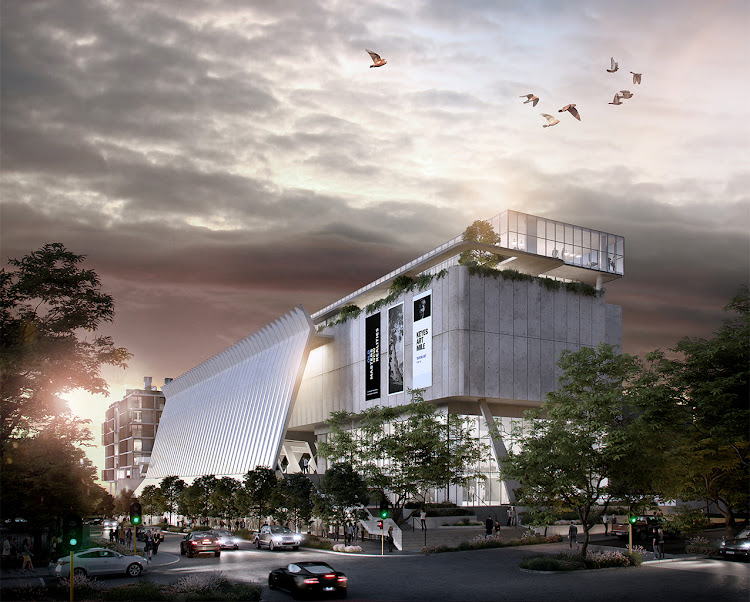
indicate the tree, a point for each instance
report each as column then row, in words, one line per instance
column 480, row 231
column 224, row 499
column 123, row 501
column 344, row 490
column 196, row 499
column 298, row 494
column 103, row 501
column 171, row 489
column 700, row 401
column 152, row 500
column 405, row 451
column 261, row 492
column 47, row 303
column 47, row 475
column 583, row 439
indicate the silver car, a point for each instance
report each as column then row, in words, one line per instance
column 227, row 540
column 100, row 561
column 276, row 536
column 738, row 547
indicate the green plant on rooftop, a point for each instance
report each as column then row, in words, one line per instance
column 480, row 231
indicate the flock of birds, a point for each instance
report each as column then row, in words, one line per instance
column 534, row 99
column 571, row 108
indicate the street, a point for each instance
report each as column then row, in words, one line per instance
column 476, row 575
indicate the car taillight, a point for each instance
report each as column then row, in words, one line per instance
column 342, row 579
column 312, row 581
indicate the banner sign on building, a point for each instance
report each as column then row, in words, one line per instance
column 372, row 357
column 396, row 349
column 422, row 341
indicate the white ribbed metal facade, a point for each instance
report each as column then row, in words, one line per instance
column 229, row 414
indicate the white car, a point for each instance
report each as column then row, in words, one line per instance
column 109, row 523
column 100, row 561
column 227, row 540
column 276, row 536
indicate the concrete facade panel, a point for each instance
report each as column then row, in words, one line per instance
column 506, row 366
column 520, row 368
column 492, row 364
column 477, row 364
column 573, row 319
column 520, row 308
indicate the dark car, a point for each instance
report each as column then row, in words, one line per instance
column 276, row 536
column 200, row 542
column 307, row 578
column 737, row 547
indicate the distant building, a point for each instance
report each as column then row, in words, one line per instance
column 128, row 434
column 479, row 343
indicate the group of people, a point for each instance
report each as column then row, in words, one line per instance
column 11, row 554
column 125, row 537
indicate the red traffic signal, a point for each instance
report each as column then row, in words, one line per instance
column 380, row 525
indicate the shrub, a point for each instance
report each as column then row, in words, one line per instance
column 434, row 549
column 551, row 563
column 319, row 543
column 340, row 547
column 143, row 590
column 700, row 545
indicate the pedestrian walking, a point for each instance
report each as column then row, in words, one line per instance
column 6, row 554
column 155, row 545
column 304, row 465
column 658, row 541
column 497, row 527
column 573, row 535
column 148, row 543
column 129, row 537
column 605, row 520
column 390, row 538
column 488, row 525
column 26, row 554
column 423, row 518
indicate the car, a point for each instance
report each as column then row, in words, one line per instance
column 227, row 540
column 738, row 547
column 276, row 536
column 200, row 542
column 109, row 523
column 306, row 578
column 100, row 561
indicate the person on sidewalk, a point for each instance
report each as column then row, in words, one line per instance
column 26, row 554
column 605, row 520
column 6, row 555
column 488, row 524
column 573, row 535
column 658, row 542
column 423, row 518
column 390, row 538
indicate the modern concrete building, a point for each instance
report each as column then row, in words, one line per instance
column 128, row 434
column 480, row 344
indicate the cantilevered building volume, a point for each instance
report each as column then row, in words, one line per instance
column 480, row 345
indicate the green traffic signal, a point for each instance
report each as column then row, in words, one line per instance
column 384, row 514
column 73, row 541
column 633, row 519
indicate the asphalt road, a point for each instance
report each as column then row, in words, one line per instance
column 475, row 576
column 468, row 576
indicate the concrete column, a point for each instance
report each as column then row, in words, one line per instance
column 499, row 449
column 599, row 282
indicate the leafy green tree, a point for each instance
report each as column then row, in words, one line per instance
column 480, row 231
column 344, row 491
column 223, row 498
column 196, row 498
column 171, row 489
column 123, row 501
column 261, row 492
column 576, row 447
column 46, row 475
column 298, row 494
column 699, row 401
column 152, row 500
column 103, row 501
column 406, row 451
column 48, row 303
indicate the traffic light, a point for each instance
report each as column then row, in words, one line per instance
column 384, row 512
column 632, row 519
column 380, row 525
column 135, row 514
column 72, row 531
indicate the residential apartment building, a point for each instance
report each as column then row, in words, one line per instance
column 128, row 434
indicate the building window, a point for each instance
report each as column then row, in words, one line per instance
column 137, row 445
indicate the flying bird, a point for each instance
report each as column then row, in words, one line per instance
column 626, row 93
column 616, row 100
column 531, row 98
column 613, row 66
column 572, row 110
column 636, row 77
column 550, row 119
column 378, row 62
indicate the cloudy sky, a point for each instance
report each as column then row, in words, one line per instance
column 223, row 161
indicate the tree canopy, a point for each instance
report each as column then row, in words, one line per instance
column 483, row 232
column 48, row 304
column 574, row 449
column 405, row 451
